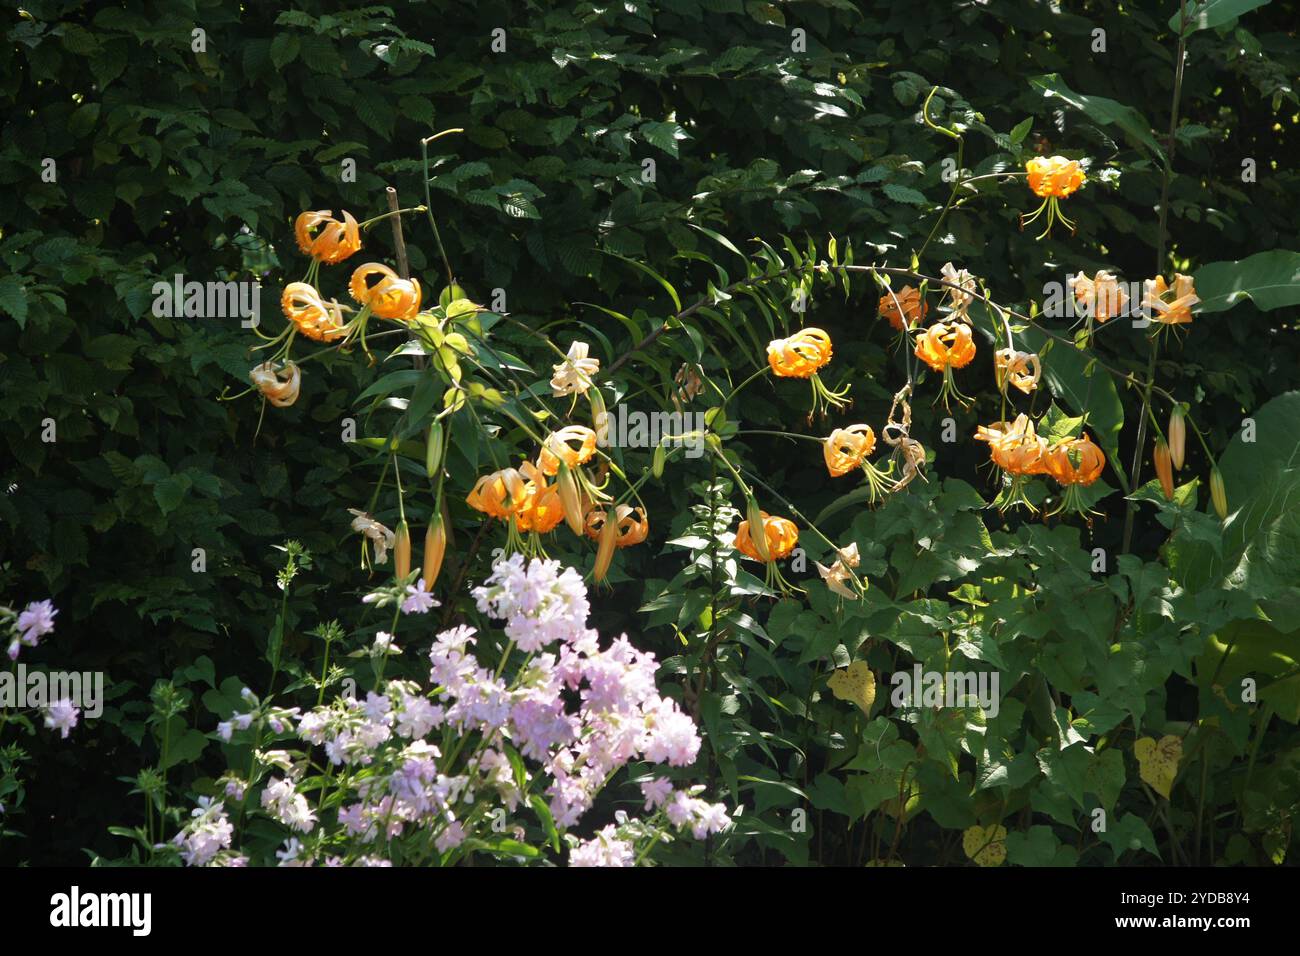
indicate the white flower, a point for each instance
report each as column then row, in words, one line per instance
column 418, row 599
column 453, row 835
column 837, row 574
column 604, row 849
column 575, row 373
column 288, row 806
column 62, row 716
column 276, row 758
column 289, row 855
column 207, row 834
column 384, row 645
column 279, row 385
column 960, row 298
column 381, row 537
column 35, row 621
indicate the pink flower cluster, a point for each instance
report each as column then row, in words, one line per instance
column 576, row 712
column 34, row 622
column 207, row 835
column 620, row 716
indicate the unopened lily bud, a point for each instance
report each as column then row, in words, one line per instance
column 657, row 462
column 570, row 498
column 402, row 550
column 599, row 416
column 757, row 529
column 1164, row 467
column 1177, row 436
column 433, row 450
column 435, row 547
column 605, row 545
column 1218, row 493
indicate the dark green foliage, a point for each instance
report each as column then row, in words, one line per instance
column 172, row 161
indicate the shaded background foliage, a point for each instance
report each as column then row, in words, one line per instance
column 174, row 161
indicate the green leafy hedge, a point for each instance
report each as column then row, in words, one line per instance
column 133, row 149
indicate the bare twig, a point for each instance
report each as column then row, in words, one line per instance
column 399, row 242
column 399, row 247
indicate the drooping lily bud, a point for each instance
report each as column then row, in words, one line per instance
column 599, row 416
column 1218, row 493
column 402, row 550
column 605, row 542
column 754, row 515
column 433, row 450
column 1164, row 467
column 435, row 548
column 570, row 498
column 1177, row 436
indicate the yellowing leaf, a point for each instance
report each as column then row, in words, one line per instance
column 460, row 307
column 856, row 683
column 1158, row 762
column 987, row 846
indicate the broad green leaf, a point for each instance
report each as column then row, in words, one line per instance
column 1101, row 110
column 1257, row 650
column 1211, row 13
column 665, row 136
column 170, row 492
column 1269, row 279
column 1039, row 847
column 904, row 194
column 1129, row 833
column 13, row 298
column 1259, row 550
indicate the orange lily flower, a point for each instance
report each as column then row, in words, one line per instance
column 905, row 303
column 801, row 355
column 1053, row 178
column 632, row 526
column 542, row 509
column 780, row 534
column 946, row 345
column 687, row 384
column 627, row 527
column 559, row 447
column 303, row 306
column 392, row 297
column 1021, row 369
column 334, row 242
column 1075, row 463
column 1101, row 296
column 1014, row 446
column 1171, row 307
column 1016, row 449
column 847, row 448
column 279, row 385
column 501, row 493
